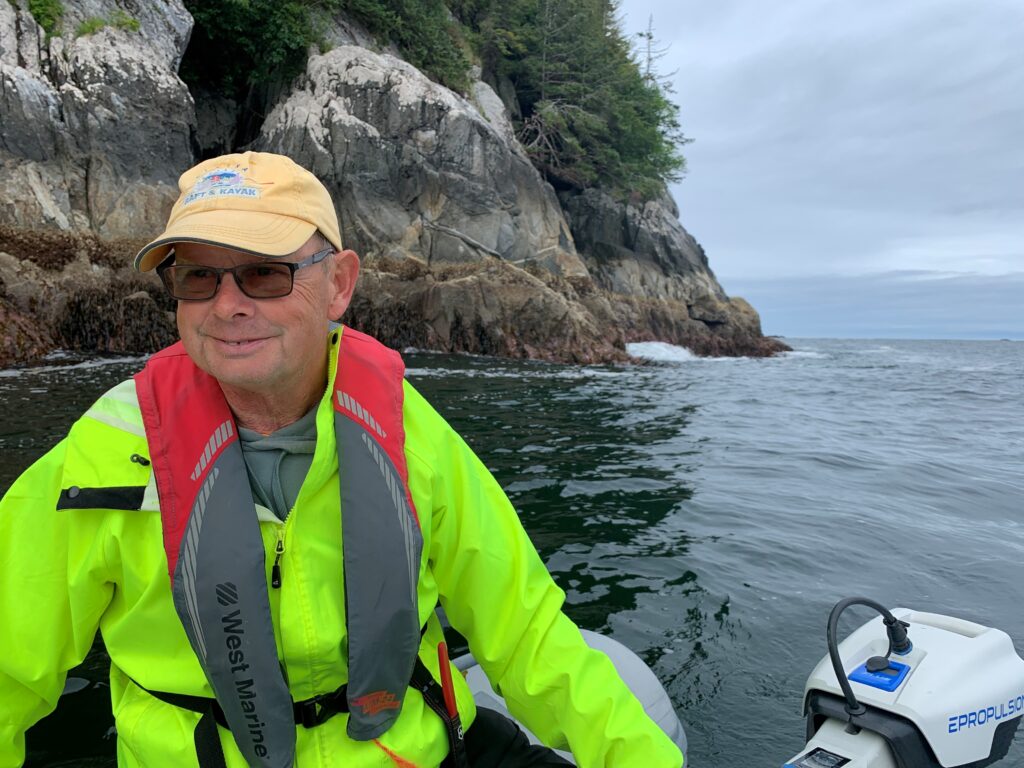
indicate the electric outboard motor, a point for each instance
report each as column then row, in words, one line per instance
column 912, row 690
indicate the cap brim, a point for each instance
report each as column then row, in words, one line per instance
column 256, row 232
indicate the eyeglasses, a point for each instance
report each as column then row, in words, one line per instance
column 259, row 280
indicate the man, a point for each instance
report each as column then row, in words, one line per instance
column 263, row 521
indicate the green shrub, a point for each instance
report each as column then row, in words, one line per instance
column 123, row 20
column 241, row 44
column 47, row 14
column 269, row 39
column 423, row 31
column 118, row 19
column 90, row 25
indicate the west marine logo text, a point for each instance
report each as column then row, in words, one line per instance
column 221, row 182
column 378, row 701
column 993, row 714
column 245, row 687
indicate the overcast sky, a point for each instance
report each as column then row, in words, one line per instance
column 858, row 165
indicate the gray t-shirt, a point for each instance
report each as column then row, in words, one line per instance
column 278, row 463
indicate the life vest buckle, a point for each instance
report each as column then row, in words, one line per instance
column 319, row 709
column 312, row 712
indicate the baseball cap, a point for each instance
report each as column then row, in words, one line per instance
column 256, row 202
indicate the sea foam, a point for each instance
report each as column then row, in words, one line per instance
column 660, row 351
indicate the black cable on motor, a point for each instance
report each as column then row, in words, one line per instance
column 894, row 628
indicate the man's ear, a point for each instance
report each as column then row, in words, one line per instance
column 346, row 272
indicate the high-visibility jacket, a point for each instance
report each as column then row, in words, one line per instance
column 81, row 549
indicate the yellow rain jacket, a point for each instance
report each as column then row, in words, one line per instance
column 64, row 573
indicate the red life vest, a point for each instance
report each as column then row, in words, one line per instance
column 215, row 552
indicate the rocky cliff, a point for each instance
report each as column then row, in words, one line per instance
column 465, row 247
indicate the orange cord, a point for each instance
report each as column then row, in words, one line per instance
column 446, row 680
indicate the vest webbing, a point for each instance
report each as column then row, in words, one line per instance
column 215, row 553
column 313, row 712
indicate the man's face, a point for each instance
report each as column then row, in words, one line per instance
column 265, row 346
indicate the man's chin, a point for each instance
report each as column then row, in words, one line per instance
column 243, row 374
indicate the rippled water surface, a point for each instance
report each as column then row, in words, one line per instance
column 707, row 513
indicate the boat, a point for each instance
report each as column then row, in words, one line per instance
column 908, row 689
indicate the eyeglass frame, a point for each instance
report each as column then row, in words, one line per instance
column 293, row 266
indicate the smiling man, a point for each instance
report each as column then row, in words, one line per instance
column 263, row 521
column 258, row 327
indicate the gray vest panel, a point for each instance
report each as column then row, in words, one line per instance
column 220, row 593
column 382, row 547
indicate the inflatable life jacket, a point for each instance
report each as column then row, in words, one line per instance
column 216, row 558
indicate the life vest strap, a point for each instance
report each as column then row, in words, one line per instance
column 319, row 709
column 310, row 713
column 207, row 741
column 433, row 695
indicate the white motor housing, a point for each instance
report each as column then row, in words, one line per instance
column 954, row 699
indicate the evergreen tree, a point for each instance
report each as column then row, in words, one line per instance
column 590, row 114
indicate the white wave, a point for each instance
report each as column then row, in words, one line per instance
column 418, row 351
column 94, row 363
column 660, row 351
column 547, row 372
column 464, row 373
column 58, row 354
column 805, row 353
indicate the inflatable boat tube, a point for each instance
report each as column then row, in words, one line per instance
column 637, row 675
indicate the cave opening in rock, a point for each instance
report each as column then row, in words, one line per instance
column 240, row 59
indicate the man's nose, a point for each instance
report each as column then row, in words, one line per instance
column 230, row 301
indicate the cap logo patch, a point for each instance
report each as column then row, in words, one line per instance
column 222, row 182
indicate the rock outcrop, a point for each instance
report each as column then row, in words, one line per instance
column 95, row 128
column 416, row 170
column 639, row 249
column 465, row 246
column 658, row 278
column 72, row 291
column 491, row 308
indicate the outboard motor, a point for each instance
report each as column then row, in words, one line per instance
column 912, row 690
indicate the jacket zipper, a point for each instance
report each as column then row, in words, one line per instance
column 275, row 571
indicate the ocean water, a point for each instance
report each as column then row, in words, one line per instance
column 706, row 512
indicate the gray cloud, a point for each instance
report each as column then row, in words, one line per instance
column 848, row 138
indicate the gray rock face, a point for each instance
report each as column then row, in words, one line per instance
column 639, row 250
column 95, row 129
column 416, row 170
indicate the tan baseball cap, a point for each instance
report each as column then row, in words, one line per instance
column 256, row 202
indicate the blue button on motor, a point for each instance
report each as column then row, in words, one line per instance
column 886, row 679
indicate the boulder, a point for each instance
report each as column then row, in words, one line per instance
column 82, row 297
column 22, row 339
column 416, row 170
column 127, row 315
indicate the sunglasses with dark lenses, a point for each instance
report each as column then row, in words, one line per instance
column 259, row 280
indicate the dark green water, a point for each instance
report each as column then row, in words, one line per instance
column 707, row 513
